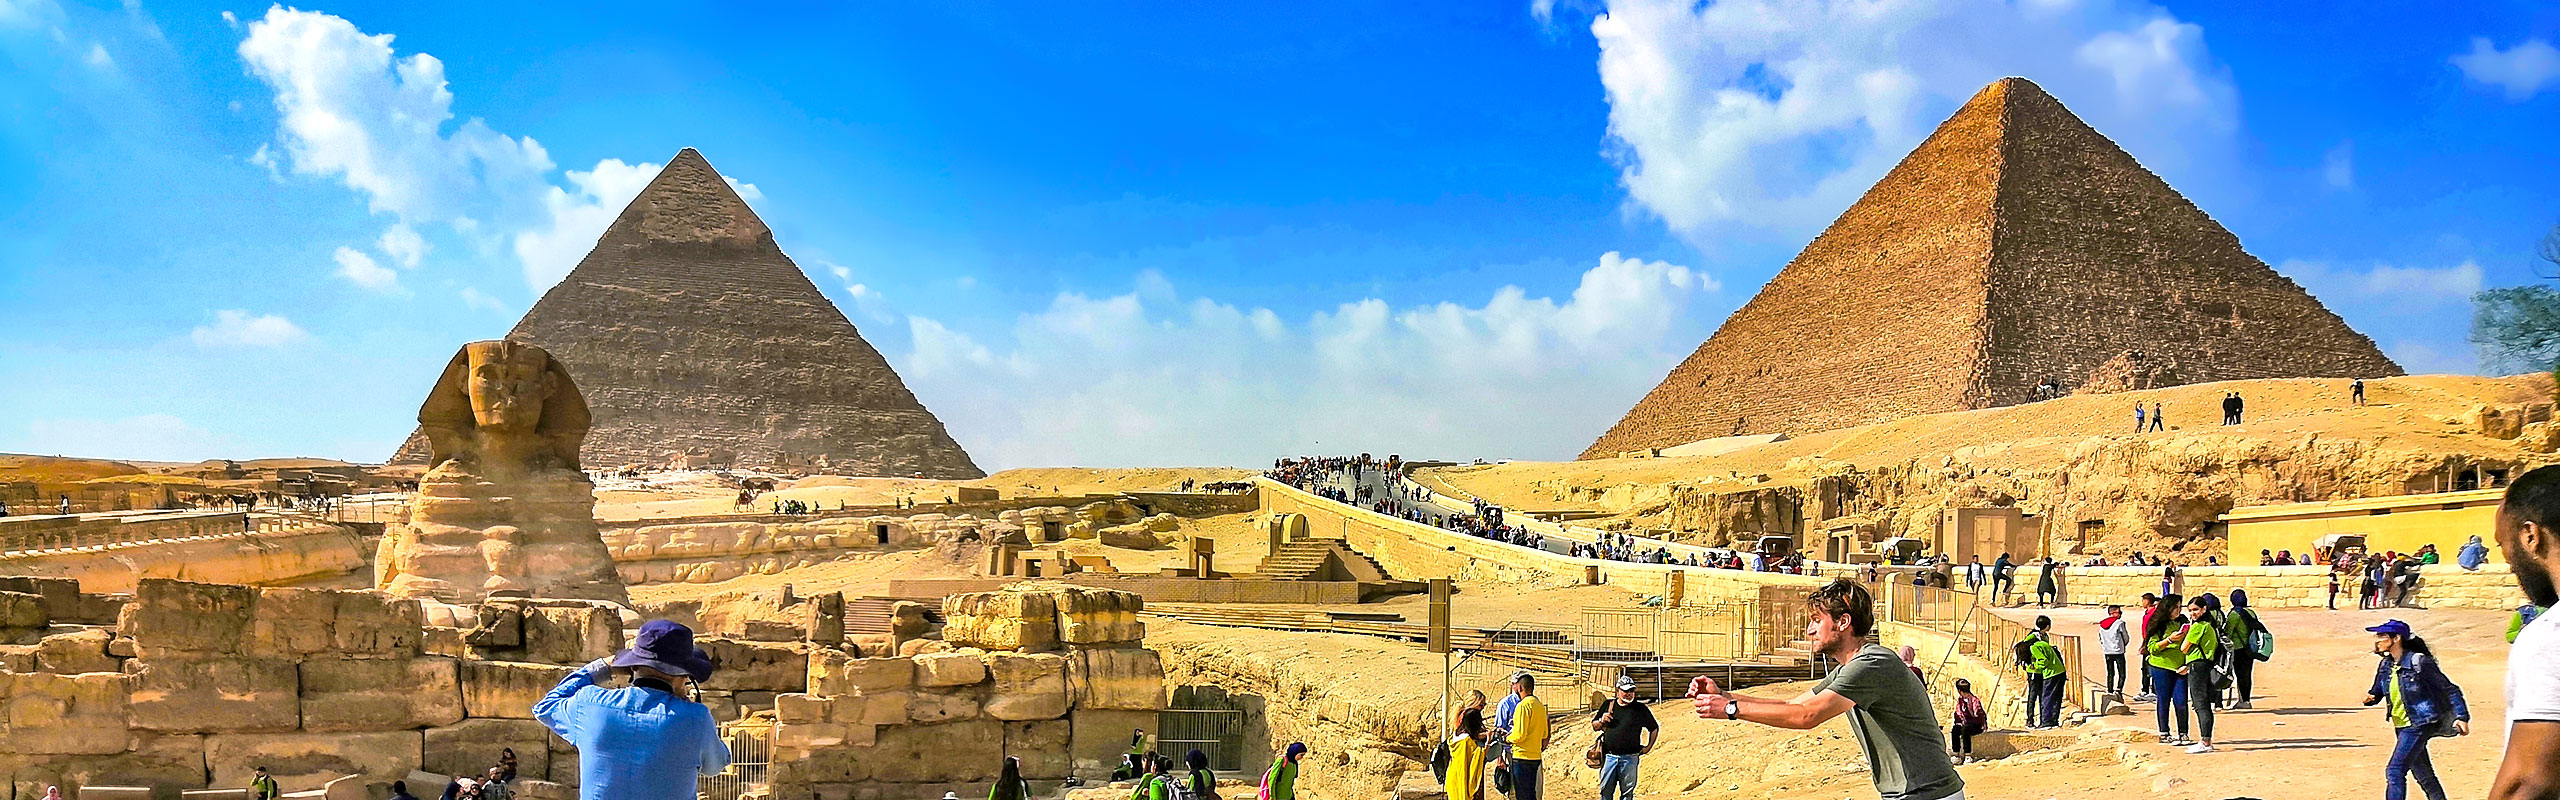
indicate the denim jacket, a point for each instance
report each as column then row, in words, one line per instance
column 2423, row 687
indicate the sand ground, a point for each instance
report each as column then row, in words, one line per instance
column 2420, row 411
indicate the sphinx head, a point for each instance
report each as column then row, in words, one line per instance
column 508, row 383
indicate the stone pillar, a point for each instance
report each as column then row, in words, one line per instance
column 826, row 618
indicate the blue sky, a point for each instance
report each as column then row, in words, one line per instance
column 1109, row 235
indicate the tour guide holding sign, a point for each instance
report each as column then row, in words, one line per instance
column 1888, row 706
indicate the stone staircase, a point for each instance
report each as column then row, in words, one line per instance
column 1797, row 653
column 1302, row 560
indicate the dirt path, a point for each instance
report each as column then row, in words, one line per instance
column 2309, row 734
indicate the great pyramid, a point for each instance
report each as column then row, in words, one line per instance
column 690, row 332
column 2014, row 247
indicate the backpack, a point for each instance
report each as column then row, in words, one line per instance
column 1439, row 763
column 2262, row 642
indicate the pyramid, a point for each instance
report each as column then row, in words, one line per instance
column 690, row 332
column 2015, row 246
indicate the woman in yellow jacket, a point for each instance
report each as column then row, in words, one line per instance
column 1466, row 758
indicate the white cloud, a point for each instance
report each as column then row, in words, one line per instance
column 2338, row 166
column 402, row 244
column 99, row 58
column 2421, row 358
column 474, row 298
column 362, row 270
column 236, row 329
column 1780, row 112
column 2523, row 71
column 2386, row 282
column 1151, row 377
column 150, row 437
column 351, row 108
column 577, row 218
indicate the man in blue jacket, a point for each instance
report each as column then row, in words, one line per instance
column 645, row 741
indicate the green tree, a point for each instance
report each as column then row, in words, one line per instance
column 2518, row 327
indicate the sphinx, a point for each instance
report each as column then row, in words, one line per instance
column 503, row 506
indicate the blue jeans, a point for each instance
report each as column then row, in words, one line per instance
column 1524, row 780
column 2168, row 690
column 2049, row 700
column 1619, row 770
column 2409, row 759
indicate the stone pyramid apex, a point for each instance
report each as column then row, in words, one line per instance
column 688, row 201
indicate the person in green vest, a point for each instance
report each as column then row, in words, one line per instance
column 263, row 787
column 2162, row 660
column 1281, row 781
column 1158, row 782
column 2198, row 643
column 1135, row 767
column 2044, row 676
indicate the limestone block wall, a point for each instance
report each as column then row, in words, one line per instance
column 195, row 683
column 712, row 551
column 1052, row 674
column 1414, row 551
column 2286, row 587
column 271, row 557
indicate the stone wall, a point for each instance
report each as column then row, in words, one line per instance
column 310, row 552
column 1050, row 673
column 718, row 549
column 196, row 683
column 2441, row 585
column 1413, row 551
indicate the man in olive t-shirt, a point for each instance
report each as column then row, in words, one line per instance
column 1888, row 706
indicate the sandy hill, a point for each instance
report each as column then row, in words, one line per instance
column 2076, row 457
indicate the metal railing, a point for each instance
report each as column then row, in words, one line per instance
column 1980, row 633
column 750, row 759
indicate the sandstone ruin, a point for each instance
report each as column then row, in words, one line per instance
column 2014, row 247
column 694, row 336
column 503, row 506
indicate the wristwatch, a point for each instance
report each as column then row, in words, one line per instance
column 1732, row 708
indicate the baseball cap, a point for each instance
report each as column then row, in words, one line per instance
column 1626, row 684
column 2391, row 626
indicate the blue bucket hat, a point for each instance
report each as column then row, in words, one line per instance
column 2391, row 626
column 667, row 646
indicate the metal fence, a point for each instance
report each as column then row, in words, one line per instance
column 750, row 756
column 1980, row 633
column 1208, row 719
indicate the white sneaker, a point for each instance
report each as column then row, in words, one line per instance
column 2200, row 748
column 2181, row 742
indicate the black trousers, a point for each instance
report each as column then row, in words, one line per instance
column 2115, row 672
column 2243, row 662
